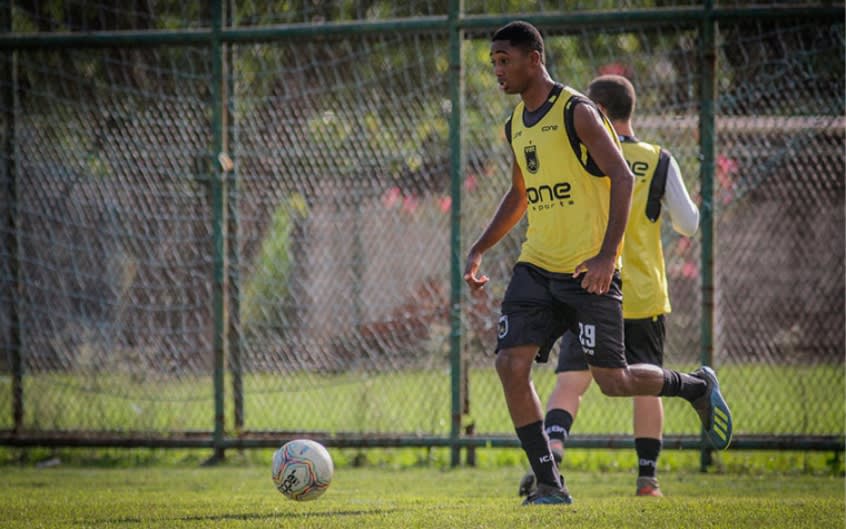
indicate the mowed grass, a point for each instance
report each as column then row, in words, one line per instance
column 764, row 399
column 243, row 496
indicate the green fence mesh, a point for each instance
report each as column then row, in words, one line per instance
column 779, row 222
column 343, row 232
column 114, row 239
column 339, row 214
column 109, row 15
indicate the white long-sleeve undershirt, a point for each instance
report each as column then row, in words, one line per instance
column 676, row 201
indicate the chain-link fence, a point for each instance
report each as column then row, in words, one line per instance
column 227, row 225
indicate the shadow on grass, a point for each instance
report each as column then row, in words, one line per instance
column 251, row 516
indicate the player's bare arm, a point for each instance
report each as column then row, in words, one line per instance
column 511, row 209
column 599, row 269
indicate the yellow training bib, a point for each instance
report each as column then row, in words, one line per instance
column 644, row 275
column 568, row 196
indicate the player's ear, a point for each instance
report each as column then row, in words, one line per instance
column 535, row 58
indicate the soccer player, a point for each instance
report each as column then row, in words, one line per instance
column 658, row 188
column 568, row 174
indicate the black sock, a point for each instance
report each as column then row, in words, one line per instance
column 536, row 445
column 557, row 425
column 682, row 385
column 647, row 456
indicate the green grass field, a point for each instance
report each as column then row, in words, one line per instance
column 243, row 496
column 414, row 488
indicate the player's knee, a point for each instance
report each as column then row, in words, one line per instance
column 504, row 363
column 611, row 384
column 511, row 366
column 612, row 389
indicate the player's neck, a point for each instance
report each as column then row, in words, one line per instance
column 537, row 92
column 623, row 128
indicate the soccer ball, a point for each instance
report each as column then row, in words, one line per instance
column 302, row 469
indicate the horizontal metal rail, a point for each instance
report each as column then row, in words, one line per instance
column 271, row 439
column 616, row 20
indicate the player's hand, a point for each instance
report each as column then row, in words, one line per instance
column 596, row 273
column 471, row 269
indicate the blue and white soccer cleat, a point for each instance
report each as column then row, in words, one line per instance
column 547, row 495
column 713, row 410
column 529, row 483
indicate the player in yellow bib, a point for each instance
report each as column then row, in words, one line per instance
column 658, row 189
column 571, row 180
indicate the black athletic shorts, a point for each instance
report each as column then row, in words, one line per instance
column 644, row 345
column 539, row 306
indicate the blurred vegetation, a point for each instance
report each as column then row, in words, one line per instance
column 270, row 280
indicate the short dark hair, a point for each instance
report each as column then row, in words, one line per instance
column 521, row 35
column 616, row 94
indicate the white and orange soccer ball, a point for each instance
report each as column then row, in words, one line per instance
column 302, row 469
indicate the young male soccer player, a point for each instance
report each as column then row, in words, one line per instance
column 658, row 188
column 569, row 175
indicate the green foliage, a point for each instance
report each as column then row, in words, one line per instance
column 267, row 287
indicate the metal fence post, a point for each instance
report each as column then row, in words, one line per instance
column 218, row 184
column 10, row 82
column 234, row 340
column 707, row 65
column 456, row 92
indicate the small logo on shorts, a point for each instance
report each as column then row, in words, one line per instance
column 502, row 328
